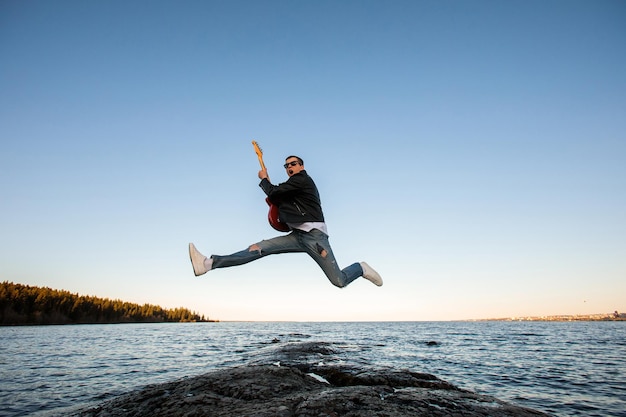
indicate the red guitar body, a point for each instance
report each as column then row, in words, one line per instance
column 272, row 217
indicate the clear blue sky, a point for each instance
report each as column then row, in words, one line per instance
column 473, row 152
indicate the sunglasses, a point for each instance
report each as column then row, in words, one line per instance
column 291, row 164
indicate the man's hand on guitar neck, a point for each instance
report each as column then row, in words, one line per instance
column 263, row 174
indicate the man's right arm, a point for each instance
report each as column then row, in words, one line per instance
column 292, row 184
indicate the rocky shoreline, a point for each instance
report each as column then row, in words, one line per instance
column 305, row 379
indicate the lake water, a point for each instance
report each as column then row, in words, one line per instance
column 561, row 368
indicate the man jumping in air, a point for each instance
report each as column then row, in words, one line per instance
column 300, row 209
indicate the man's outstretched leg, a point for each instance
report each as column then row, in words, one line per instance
column 280, row 244
column 318, row 248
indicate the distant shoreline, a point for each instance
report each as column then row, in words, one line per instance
column 587, row 317
column 506, row 319
column 31, row 305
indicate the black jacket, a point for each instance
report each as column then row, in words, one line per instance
column 298, row 199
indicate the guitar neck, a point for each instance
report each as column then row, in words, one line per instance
column 261, row 161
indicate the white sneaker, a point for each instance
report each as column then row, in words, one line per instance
column 197, row 261
column 371, row 275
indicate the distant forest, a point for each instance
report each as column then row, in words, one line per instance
column 27, row 305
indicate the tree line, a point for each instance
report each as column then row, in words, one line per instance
column 27, row 305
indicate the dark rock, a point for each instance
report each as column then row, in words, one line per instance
column 305, row 379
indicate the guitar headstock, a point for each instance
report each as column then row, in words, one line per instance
column 257, row 148
column 259, row 153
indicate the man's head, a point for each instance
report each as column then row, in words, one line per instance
column 293, row 165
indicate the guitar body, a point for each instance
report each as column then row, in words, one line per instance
column 272, row 215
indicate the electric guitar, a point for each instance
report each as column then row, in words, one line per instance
column 272, row 215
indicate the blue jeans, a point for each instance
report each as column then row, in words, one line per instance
column 315, row 243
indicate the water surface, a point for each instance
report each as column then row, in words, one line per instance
column 561, row 368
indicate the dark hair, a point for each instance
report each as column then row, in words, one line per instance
column 300, row 161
